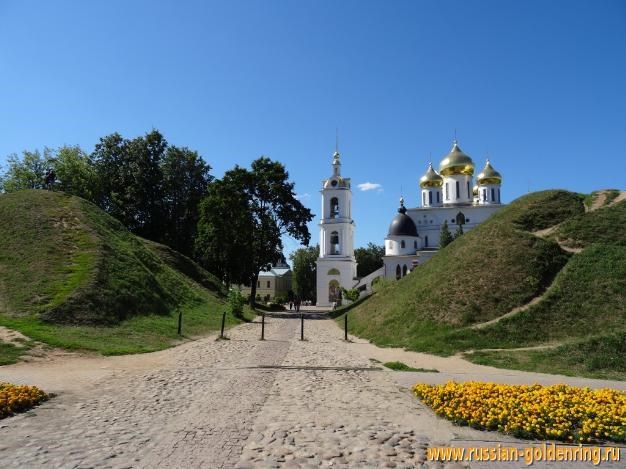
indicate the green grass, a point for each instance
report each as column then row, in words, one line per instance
column 399, row 366
column 73, row 277
column 597, row 357
column 11, row 353
column 501, row 265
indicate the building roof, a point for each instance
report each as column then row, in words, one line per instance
column 402, row 224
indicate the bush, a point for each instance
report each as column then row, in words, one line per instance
column 236, row 301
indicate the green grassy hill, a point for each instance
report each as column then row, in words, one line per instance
column 502, row 265
column 72, row 276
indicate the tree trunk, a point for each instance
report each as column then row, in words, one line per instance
column 253, row 285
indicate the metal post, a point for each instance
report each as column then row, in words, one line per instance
column 223, row 321
column 263, row 327
column 301, row 326
column 180, row 323
column 345, row 327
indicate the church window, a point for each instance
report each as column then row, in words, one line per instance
column 398, row 272
column 468, row 190
column 404, row 269
column 268, row 284
column 334, row 207
column 460, row 218
column 437, row 196
column 447, row 191
column 493, row 196
column 402, row 245
column 415, row 244
column 334, row 291
column 425, row 241
column 423, row 198
column 430, row 197
column 458, row 192
column 334, row 243
column 498, row 195
column 484, row 194
column 333, row 272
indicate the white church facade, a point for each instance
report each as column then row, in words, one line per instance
column 447, row 196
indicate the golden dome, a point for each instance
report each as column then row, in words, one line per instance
column 431, row 178
column 456, row 162
column 489, row 175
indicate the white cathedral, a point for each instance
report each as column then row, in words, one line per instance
column 446, row 196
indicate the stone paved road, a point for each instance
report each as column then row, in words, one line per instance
column 232, row 403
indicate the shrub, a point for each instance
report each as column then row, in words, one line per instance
column 236, row 301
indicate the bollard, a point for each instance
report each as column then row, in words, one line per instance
column 180, row 323
column 345, row 327
column 301, row 326
column 223, row 321
column 263, row 327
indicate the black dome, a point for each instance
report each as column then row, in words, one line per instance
column 402, row 225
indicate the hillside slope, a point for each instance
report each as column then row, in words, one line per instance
column 70, row 275
column 433, row 308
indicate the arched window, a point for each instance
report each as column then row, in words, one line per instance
column 334, row 207
column 415, row 244
column 430, row 197
column 423, row 198
column 458, row 192
column 402, row 245
column 484, row 194
column 334, row 243
column 425, row 241
column 469, row 196
column 460, row 219
column 404, row 269
column 334, row 291
column 333, row 272
column 398, row 272
column 447, row 191
column 437, row 196
column 493, row 196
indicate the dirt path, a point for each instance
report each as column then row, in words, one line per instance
column 237, row 403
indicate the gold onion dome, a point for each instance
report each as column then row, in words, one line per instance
column 431, row 178
column 456, row 162
column 489, row 175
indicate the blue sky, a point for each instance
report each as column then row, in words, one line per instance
column 538, row 86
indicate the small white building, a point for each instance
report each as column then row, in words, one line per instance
column 336, row 265
column 446, row 196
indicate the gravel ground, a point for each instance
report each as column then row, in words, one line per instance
column 241, row 402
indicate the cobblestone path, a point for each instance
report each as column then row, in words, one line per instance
column 241, row 403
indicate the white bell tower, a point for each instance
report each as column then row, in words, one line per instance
column 336, row 266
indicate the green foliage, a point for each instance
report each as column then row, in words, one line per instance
column 304, row 268
column 399, row 366
column 351, row 295
column 75, row 172
column 243, row 218
column 11, row 353
column 445, row 237
column 548, row 208
column 605, row 225
column 27, row 172
column 369, row 259
column 236, row 302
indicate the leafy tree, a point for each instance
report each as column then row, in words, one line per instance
column 445, row 237
column 243, row 218
column 74, row 172
column 352, row 294
column 369, row 259
column 27, row 172
column 131, row 181
column 458, row 232
column 236, row 301
column 185, row 181
column 304, row 266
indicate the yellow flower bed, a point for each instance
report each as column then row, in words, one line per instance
column 557, row 412
column 14, row 398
